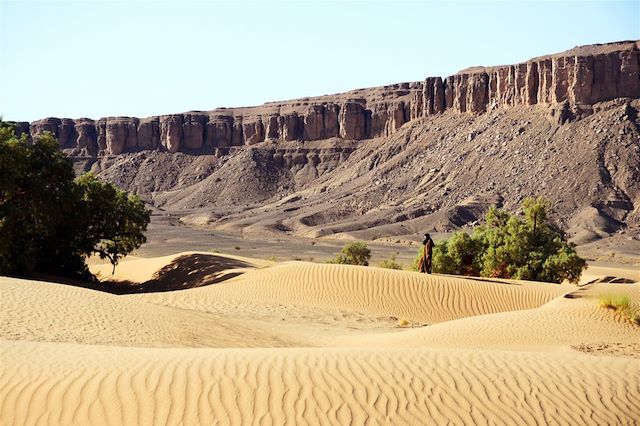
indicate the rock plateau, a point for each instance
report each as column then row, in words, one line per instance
column 395, row 160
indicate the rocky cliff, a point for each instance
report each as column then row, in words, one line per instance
column 569, row 82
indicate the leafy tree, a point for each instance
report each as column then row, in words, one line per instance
column 37, row 203
column 509, row 247
column 356, row 253
column 48, row 221
column 457, row 255
column 115, row 235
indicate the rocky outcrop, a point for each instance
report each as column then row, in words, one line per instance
column 193, row 128
column 149, row 133
column 171, row 131
column 568, row 82
column 219, row 131
column 353, row 122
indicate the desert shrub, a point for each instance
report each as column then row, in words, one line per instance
column 619, row 303
column 458, row 255
column 390, row 263
column 622, row 305
column 506, row 246
column 50, row 221
column 356, row 253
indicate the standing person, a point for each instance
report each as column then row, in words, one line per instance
column 424, row 265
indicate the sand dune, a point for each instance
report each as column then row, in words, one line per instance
column 240, row 341
column 593, row 273
column 40, row 311
column 375, row 291
column 174, row 272
column 557, row 325
column 78, row 384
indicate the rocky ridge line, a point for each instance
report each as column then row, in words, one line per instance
column 569, row 82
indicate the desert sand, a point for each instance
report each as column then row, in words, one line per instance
column 202, row 338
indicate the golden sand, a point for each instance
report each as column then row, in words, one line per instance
column 304, row 343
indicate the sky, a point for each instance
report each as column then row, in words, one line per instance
column 142, row 58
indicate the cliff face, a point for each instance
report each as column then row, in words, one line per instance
column 573, row 80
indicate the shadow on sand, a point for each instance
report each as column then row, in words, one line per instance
column 486, row 280
column 186, row 271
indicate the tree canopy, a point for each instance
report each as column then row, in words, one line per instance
column 355, row 253
column 507, row 246
column 50, row 221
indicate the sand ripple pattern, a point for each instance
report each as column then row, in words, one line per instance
column 300, row 343
column 376, row 291
column 41, row 311
column 563, row 322
column 73, row 384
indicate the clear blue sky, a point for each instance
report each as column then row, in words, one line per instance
column 94, row 59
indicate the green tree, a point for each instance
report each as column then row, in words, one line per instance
column 356, row 253
column 458, row 255
column 117, row 234
column 48, row 221
column 38, row 202
column 509, row 247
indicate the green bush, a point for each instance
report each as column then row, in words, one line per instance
column 356, row 253
column 622, row 305
column 619, row 303
column 506, row 246
column 49, row 221
column 458, row 255
column 390, row 263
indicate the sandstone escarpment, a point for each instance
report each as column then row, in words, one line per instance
column 573, row 81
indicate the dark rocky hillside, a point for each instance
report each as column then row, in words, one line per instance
column 388, row 162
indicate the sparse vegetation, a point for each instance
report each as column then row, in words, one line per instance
column 506, row 246
column 390, row 263
column 622, row 305
column 616, row 302
column 50, row 221
column 356, row 253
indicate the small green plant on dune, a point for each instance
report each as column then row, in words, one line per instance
column 618, row 303
column 622, row 305
column 356, row 253
column 390, row 263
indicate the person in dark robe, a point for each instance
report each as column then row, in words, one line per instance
column 424, row 265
